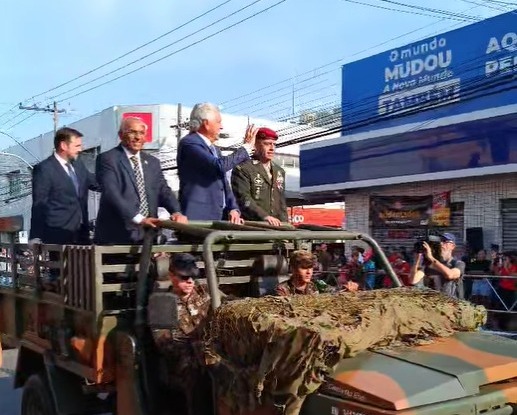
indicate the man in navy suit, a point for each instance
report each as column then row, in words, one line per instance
column 205, row 192
column 132, row 189
column 60, row 187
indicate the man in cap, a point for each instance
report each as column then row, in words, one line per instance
column 259, row 183
column 444, row 274
column 182, row 347
column 302, row 270
column 301, row 276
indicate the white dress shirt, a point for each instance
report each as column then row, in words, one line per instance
column 63, row 163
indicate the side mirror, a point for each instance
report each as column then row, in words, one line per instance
column 162, row 311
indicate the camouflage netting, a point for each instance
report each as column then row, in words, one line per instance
column 274, row 349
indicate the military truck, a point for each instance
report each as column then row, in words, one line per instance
column 84, row 346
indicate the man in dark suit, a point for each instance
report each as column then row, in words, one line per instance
column 205, row 192
column 60, row 187
column 133, row 187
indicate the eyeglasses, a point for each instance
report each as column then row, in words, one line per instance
column 135, row 132
column 185, row 277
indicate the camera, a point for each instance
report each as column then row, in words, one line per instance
column 434, row 242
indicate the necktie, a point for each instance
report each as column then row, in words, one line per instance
column 214, row 153
column 140, row 185
column 73, row 176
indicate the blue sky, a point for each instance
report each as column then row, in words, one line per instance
column 47, row 43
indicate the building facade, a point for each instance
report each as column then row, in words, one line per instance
column 430, row 140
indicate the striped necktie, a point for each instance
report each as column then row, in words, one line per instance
column 140, row 185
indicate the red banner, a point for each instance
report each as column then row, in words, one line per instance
column 147, row 118
column 441, row 209
column 317, row 216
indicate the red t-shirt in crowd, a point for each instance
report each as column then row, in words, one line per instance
column 508, row 283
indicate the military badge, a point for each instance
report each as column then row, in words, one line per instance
column 258, row 181
column 280, row 181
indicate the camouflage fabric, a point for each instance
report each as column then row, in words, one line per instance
column 273, row 349
column 259, row 194
column 182, row 347
column 288, row 288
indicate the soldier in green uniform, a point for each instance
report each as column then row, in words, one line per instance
column 259, row 183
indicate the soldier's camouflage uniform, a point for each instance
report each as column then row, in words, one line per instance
column 182, row 348
column 259, row 194
column 287, row 288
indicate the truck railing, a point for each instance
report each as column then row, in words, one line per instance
column 84, row 274
column 491, row 280
column 218, row 236
column 85, row 277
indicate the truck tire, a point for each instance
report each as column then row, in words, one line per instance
column 37, row 398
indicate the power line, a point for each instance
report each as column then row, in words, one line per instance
column 97, row 86
column 366, row 102
column 333, row 63
column 289, row 94
column 132, row 50
column 486, row 4
column 447, row 13
column 481, row 91
column 118, row 58
column 22, row 120
column 476, row 90
column 54, row 110
column 378, row 6
column 163, row 48
column 20, row 144
column 168, row 55
column 462, row 70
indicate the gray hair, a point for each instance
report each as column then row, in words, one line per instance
column 126, row 121
column 201, row 112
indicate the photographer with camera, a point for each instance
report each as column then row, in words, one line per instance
column 437, row 268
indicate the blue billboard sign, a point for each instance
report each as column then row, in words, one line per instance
column 469, row 69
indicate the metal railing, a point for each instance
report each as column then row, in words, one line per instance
column 490, row 279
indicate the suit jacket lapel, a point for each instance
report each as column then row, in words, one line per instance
column 124, row 161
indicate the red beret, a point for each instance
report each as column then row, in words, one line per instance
column 266, row 134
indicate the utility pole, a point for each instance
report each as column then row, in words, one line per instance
column 54, row 110
column 178, row 130
column 180, row 125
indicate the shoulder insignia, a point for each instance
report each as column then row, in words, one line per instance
column 255, row 162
